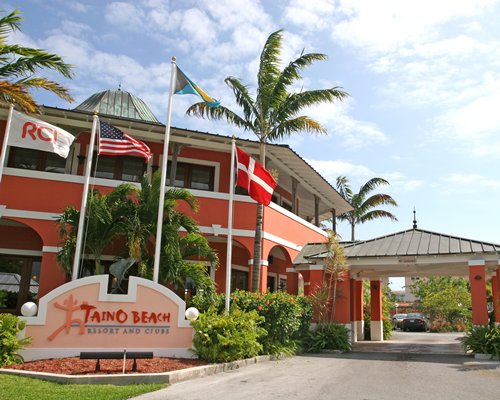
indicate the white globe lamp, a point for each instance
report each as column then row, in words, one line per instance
column 29, row 309
column 192, row 314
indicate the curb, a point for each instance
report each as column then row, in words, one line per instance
column 128, row 379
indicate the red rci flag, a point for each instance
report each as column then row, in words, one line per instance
column 253, row 177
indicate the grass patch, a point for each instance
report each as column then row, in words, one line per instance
column 20, row 388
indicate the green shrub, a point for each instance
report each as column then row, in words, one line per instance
column 331, row 336
column 286, row 318
column 10, row 326
column 484, row 340
column 227, row 337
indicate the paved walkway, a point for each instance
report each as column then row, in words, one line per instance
column 415, row 343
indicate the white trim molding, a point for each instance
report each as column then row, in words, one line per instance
column 476, row 263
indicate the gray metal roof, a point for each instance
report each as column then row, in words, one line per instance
column 118, row 103
column 412, row 242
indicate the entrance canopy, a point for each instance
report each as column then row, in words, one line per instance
column 414, row 252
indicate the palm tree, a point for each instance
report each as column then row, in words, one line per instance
column 19, row 66
column 182, row 252
column 363, row 206
column 274, row 113
column 105, row 222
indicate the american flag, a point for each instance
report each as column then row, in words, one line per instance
column 113, row 142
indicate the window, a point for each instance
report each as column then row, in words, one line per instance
column 286, row 205
column 18, row 282
column 239, row 280
column 36, row 160
column 122, row 168
column 193, row 176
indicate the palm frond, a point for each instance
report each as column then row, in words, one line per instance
column 292, row 72
column 243, row 98
column 218, row 113
column 375, row 214
column 301, row 124
column 269, row 69
column 372, row 184
column 31, row 60
column 12, row 93
column 9, row 23
column 46, row 84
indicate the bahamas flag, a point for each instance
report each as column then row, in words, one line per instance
column 184, row 85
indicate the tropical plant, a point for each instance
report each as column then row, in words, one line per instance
column 483, row 340
column 228, row 336
column 183, row 255
column 363, row 206
column 130, row 213
column 274, row 112
column 325, row 298
column 19, row 67
column 329, row 336
column 10, row 344
column 106, row 220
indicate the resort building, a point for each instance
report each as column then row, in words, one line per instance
column 36, row 186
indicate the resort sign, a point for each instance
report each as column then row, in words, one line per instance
column 82, row 316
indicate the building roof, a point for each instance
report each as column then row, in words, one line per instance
column 418, row 242
column 412, row 242
column 278, row 156
column 118, row 103
column 414, row 252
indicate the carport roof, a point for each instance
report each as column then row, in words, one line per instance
column 412, row 242
column 407, row 253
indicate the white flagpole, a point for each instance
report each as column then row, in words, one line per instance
column 159, row 223
column 5, row 141
column 81, row 221
column 229, row 251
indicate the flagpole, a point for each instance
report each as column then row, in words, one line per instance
column 229, row 251
column 81, row 221
column 159, row 222
column 5, row 140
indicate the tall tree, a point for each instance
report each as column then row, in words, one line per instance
column 106, row 220
column 183, row 254
column 274, row 112
column 363, row 204
column 19, row 67
column 130, row 213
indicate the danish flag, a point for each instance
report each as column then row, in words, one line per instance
column 253, row 177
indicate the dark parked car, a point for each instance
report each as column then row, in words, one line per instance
column 415, row 322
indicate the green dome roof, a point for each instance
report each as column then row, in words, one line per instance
column 118, row 103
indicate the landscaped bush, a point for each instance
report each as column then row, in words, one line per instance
column 287, row 318
column 10, row 326
column 440, row 324
column 331, row 336
column 227, row 337
column 483, row 340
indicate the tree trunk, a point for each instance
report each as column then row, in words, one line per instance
column 257, row 253
column 257, row 250
column 352, row 232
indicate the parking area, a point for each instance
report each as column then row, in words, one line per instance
column 416, row 342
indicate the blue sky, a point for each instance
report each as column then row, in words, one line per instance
column 423, row 76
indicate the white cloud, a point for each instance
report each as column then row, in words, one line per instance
column 474, row 181
column 387, row 25
column 330, row 170
column 309, row 15
column 353, row 133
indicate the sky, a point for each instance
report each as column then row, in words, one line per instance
column 423, row 79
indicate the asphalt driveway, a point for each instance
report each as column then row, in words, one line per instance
column 373, row 371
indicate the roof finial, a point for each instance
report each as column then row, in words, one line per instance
column 414, row 218
column 120, row 86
